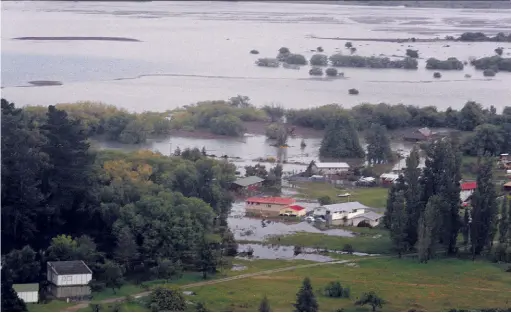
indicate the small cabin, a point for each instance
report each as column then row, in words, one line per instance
column 29, row 293
column 69, row 279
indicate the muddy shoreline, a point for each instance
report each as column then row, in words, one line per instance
column 393, row 40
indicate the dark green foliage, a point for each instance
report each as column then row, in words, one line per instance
column 391, row 200
column 316, row 71
column 335, row 290
column 209, row 260
column 495, row 63
column 486, row 140
column 305, row 298
column 378, row 145
column 429, row 226
column 275, row 112
column 264, row 306
column 398, row 224
column 499, row 51
column 478, row 36
column 297, row 59
column 267, row 62
column 228, row 125
column 348, row 44
column 166, row 269
column 466, row 226
column 411, row 184
column 324, row 200
column 441, row 177
column 412, row 53
column 278, row 132
column 341, row 60
column 331, row 72
column 10, row 300
column 449, row 64
column 167, row 299
column 341, row 139
column 254, row 52
column 353, row 91
column 348, row 248
column 485, row 209
column 201, row 307
column 111, row 274
column 489, row 73
column 319, row 60
column 437, row 75
column 21, row 266
column 372, row 299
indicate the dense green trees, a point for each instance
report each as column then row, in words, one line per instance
column 431, row 201
column 125, row 214
column 10, row 300
column 484, row 209
column 341, row 139
column 372, row 299
column 167, row 300
column 378, row 145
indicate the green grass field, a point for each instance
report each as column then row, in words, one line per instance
column 405, row 284
column 52, row 306
column 374, row 197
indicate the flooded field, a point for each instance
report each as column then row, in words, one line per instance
column 184, row 52
column 276, row 252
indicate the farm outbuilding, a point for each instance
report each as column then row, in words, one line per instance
column 69, row 279
column 29, row 293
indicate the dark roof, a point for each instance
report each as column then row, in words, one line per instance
column 69, row 267
column 25, row 287
column 247, row 181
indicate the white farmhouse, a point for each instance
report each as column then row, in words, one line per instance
column 329, row 168
column 348, row 214
column 29, row 293
column 69, row 279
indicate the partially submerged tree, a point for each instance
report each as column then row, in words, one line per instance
column 341, row 139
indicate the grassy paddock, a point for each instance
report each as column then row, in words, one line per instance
column 374, row 197
column 405, row 284
column 52, row 306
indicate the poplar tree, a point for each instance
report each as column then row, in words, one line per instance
column 412, row 173
column 428, row 231
column 398, row 225
column 484, row 204
column 504, row 221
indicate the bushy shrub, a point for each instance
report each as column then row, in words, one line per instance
column 348, row 248
column 353, row 50
column 499, row 50
column 437, row 75
column 316, row 71
column 229, row 125
column 449, row 64
column 284, row 50
column 319, row 60
column 489, row 73
column 267, row 62
column 254, row 52
column 340, row 60
column 332, row 72
column 297, row 59
column 334, row 289
column 348, row 44
column 319, row 49
column 495, row 62
column 353, row 91
column 325, row 200
column 412, row 53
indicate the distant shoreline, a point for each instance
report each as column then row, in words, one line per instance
column 79, row 38
column 446, row 4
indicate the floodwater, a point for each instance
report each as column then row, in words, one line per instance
column 277, row 252
column 193, row 51
column 247, row 150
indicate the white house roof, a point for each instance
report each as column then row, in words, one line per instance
column 344, row 207
column 332, row 165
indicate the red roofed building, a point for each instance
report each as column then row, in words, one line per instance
column 267, row 206
column 467, row 189
column 293, row 210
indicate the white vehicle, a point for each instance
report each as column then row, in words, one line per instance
column 310, row 219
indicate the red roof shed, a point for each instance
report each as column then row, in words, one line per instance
column 469, row 185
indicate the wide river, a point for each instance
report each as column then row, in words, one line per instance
column 193, row 51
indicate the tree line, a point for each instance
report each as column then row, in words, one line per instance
column 127, row 215
column 424, row 213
